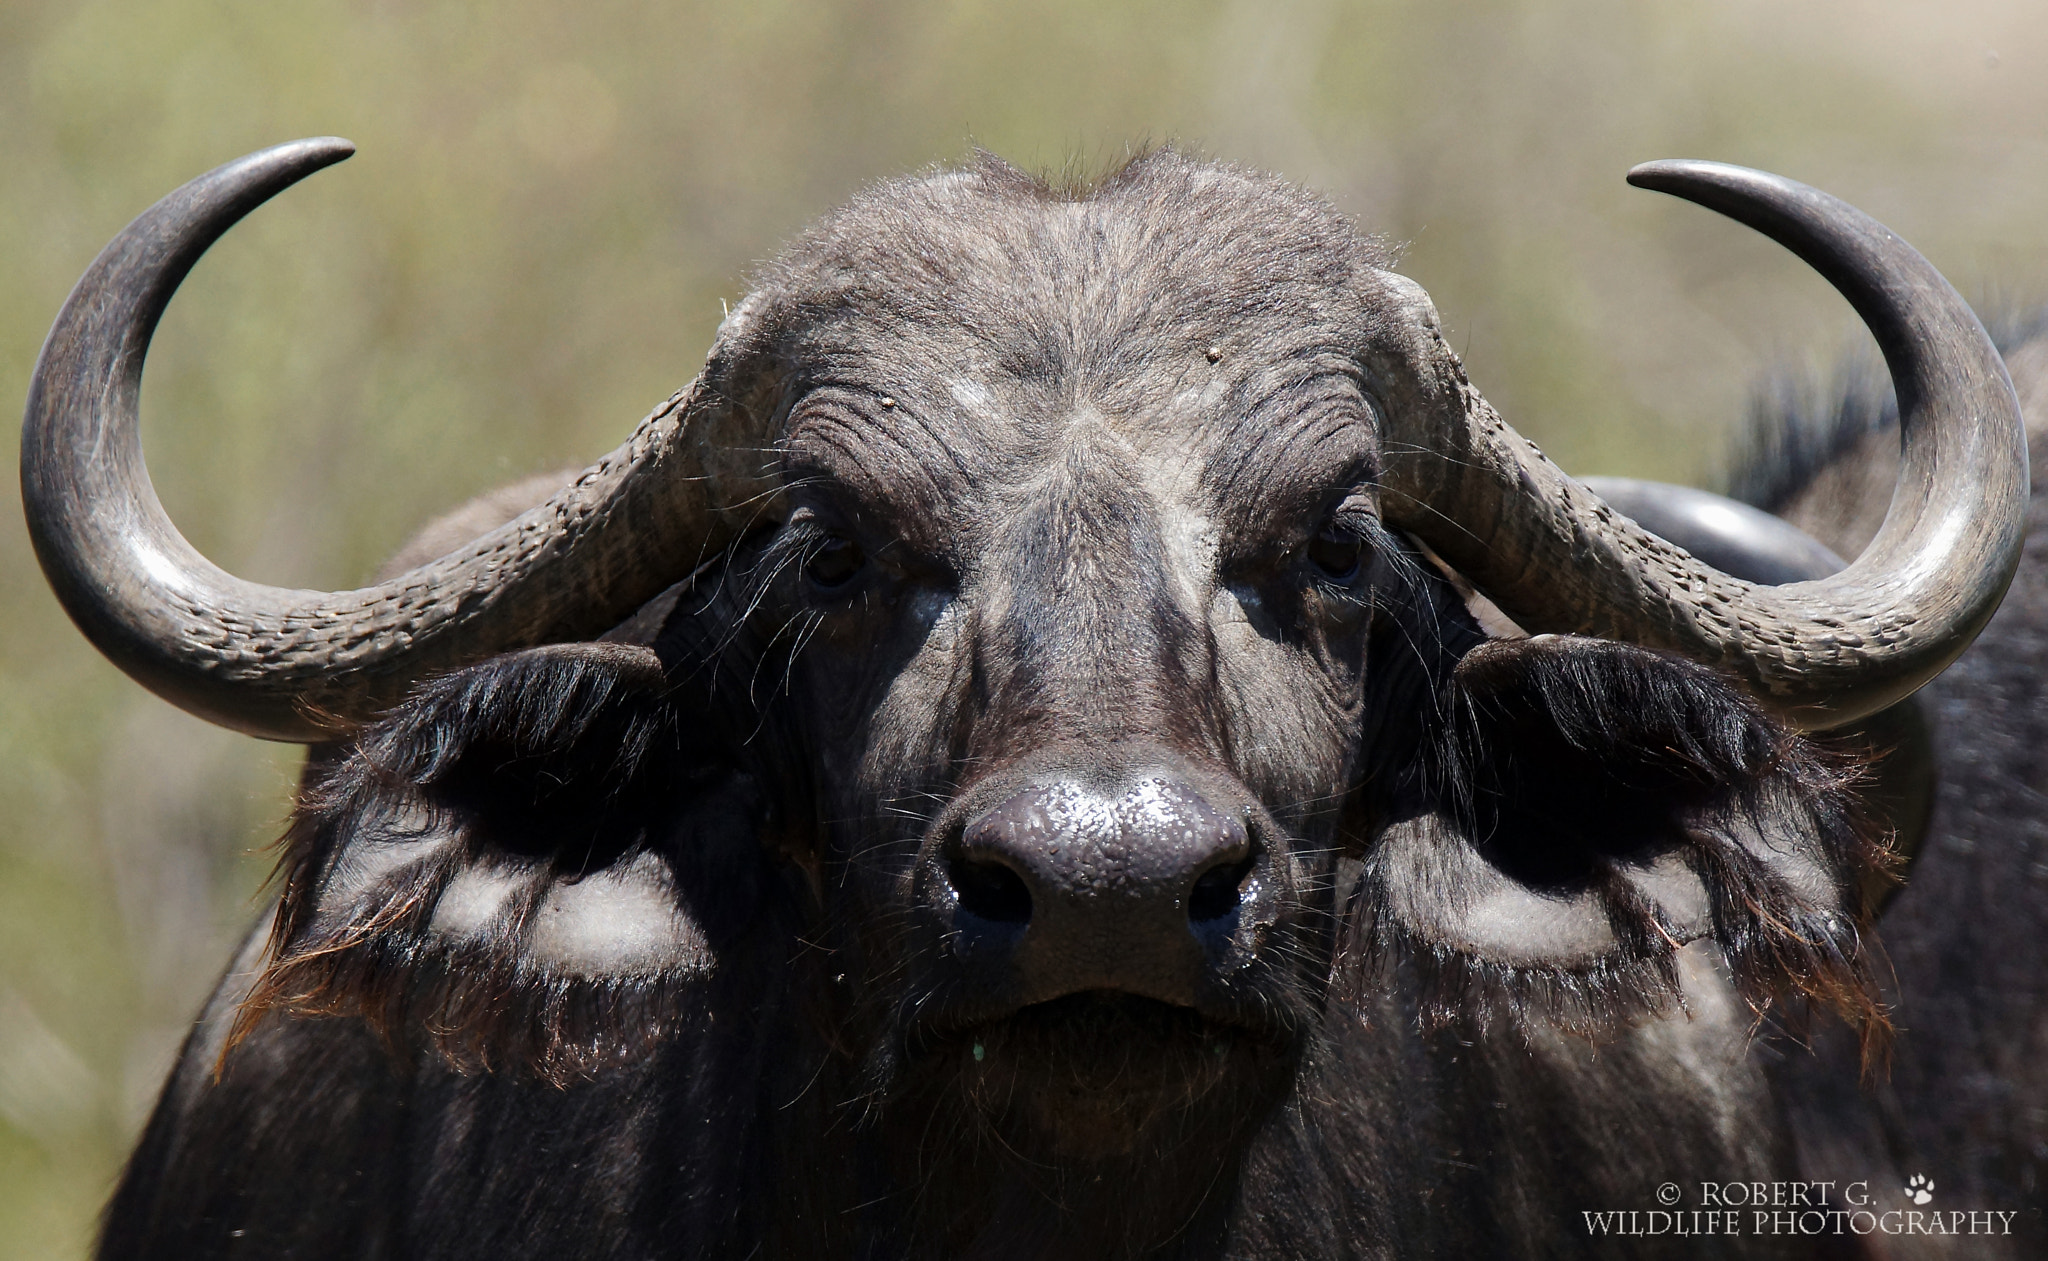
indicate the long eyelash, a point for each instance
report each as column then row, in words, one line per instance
column 1407, row 572
column 795, row 544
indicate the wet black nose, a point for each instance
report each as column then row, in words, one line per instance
column 1125, row 889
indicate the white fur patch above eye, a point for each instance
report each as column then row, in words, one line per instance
column 1513, row 926
column 1444, row 892
column 476, row 897
column 363, row 864
column 379, row 846
column 1676, row 891
column 623, row 920
column 620, row 921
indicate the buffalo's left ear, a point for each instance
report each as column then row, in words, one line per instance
column 531, row 863
column 1590, row 807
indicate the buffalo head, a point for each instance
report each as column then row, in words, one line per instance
column 1048, row 634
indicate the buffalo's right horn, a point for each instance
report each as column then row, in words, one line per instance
column 299, row 665
column 1820, row 653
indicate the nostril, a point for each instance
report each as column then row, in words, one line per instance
column 989, row 890
column 1218, row 890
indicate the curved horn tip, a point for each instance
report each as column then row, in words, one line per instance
column 340, row 145
column 307, row 155
column 1675, row 175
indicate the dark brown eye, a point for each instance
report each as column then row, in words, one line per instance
column 1337, row 553
column 835, row 563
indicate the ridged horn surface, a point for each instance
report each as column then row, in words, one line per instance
column 1820, row 653
column 300, row 665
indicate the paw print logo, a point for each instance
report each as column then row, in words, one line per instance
column 1919, row 1188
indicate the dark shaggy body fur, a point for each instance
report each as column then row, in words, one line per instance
column 641, row 948
column 1965, row 1097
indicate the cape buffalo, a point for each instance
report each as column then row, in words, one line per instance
column 1025, row 756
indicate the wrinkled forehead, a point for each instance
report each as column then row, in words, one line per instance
column 969, row 330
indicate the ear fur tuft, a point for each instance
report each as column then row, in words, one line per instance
column 511, row 869
column 1592, row 807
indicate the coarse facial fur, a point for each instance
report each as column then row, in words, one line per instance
column 1079, row 496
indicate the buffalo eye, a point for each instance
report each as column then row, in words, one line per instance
column 1337, row 553
column 835, row 563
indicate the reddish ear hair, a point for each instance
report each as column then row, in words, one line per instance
column 531, row 865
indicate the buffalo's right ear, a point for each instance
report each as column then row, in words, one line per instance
column 530, row 864
column 1582, row 809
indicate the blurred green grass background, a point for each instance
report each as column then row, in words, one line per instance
column 551, row 202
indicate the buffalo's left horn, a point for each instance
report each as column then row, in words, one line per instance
column 1820, row 653
column 296, row 665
